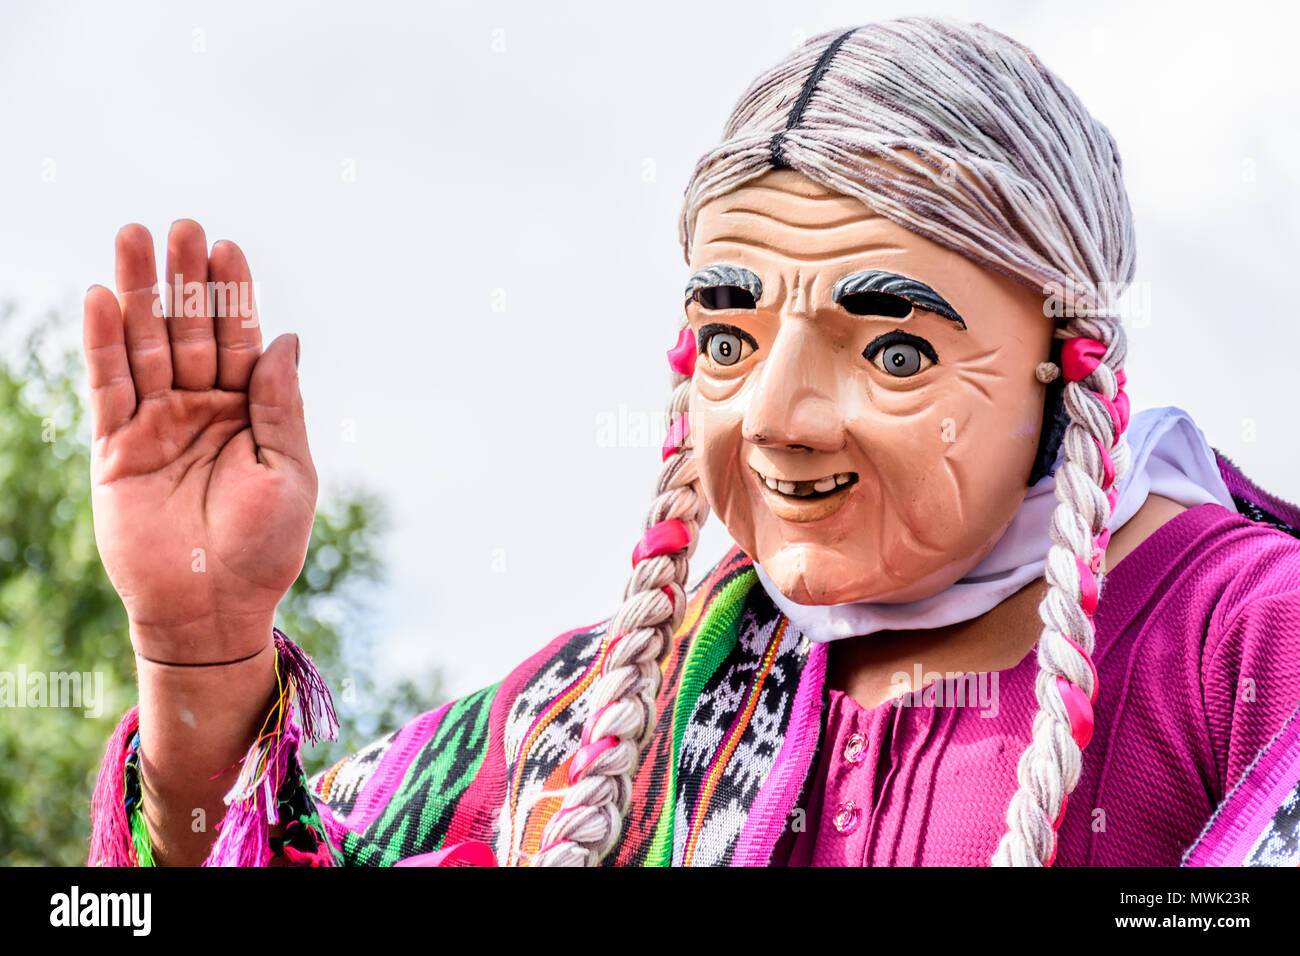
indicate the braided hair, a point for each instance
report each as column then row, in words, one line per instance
column 960, row 134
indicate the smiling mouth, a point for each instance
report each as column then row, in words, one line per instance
column 806, row 500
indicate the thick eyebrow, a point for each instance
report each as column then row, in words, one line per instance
column 724, row 273
column 916, row 292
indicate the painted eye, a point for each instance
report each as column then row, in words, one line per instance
column 724, row 297
column 725, row 348
column 725, row 344
column 901, row 360
column 900, row 354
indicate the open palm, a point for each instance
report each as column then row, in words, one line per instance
column 202, row 482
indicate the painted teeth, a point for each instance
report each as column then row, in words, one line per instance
column 802, row 488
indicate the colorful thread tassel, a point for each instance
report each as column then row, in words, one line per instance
column 119, row 836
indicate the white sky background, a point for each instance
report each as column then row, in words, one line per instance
column 519, row 176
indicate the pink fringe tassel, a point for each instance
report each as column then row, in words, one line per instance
column 110, row 830
column 244, row 838
column 319, row 719
column 245, row 829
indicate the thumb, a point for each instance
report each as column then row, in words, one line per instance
column 275, row 407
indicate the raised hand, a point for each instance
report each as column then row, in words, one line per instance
column 202, row 482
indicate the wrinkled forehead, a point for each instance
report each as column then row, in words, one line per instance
column 795, row 232
column 783, row 212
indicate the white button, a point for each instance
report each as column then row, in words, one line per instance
column 855, row 749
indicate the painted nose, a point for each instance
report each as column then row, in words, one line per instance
column 792, row 406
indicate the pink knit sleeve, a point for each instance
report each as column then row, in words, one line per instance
column 1251, row 671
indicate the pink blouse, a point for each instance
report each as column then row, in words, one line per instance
column 1198, row 657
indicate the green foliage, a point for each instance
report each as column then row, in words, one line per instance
column 59, row 613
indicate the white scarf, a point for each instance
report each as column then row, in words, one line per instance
column 1169, row 457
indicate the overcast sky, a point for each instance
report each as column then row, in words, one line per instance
column 468, row 211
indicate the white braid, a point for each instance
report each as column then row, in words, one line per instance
column 1050, row 766
column 589, row 822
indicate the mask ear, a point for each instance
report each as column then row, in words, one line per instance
column 1055, row 420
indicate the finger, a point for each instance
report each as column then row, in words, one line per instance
column 147, row 347
column 239, row 336
column 275, row 407
column 189, row 320
column 112, row 389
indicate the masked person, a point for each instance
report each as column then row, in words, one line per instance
column 973, row 613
